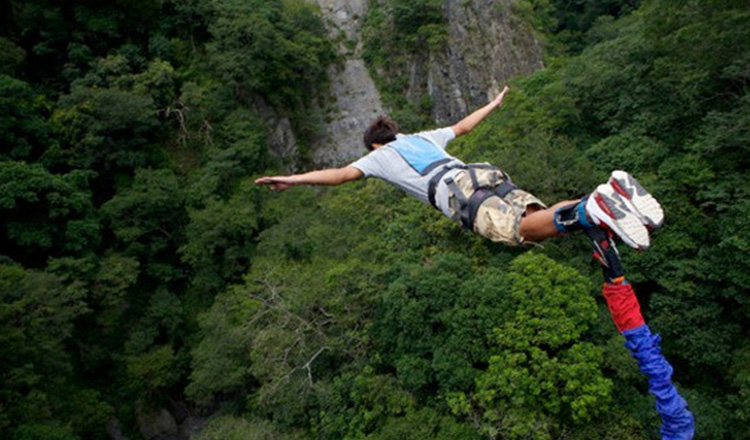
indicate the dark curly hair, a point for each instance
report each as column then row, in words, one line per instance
column 381, row 131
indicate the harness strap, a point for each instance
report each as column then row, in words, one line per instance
column 479, row 196
column 475, row 201
column 504, row 188
column 435, row 180
column 434, row 165
column 473, row 176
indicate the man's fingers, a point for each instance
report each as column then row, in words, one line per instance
column 275, row 183
column 504, row 91
column 279, row 186
column 265, row 180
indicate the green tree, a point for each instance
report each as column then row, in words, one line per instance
column 541, row 376
column 238, row 149
column 357, row 405
column 147, row 219
column 271, row 48
column 107, row 283
column 220, row 364
column 45, row 214
column 425, row 424
column 432, row 323
column 109, row 120
column 37, row 398
column 395, row 33
column 24, row 127
column 12, row 58
column 221, row 238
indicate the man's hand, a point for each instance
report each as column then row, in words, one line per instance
column 498, row 101
column 277, row 183
column 467, row 124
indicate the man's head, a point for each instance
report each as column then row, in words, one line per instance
column 381, row 131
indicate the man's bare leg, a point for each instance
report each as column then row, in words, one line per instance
column 537, row 224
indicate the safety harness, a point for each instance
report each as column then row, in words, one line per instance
column 468, row 207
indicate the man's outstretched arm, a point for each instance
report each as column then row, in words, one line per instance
column 331, row 177
column 468, row 123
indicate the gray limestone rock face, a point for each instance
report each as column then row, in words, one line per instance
column 346, row 108
column 280, row 136
column 356, row 103
column 354, row 100
column 486, row 47
column 343, row 15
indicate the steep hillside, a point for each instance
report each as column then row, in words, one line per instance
column 435, row 61
column 470, row 48
column 354, row 99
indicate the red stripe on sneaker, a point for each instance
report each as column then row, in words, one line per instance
column 617, row 187
column 602, row 204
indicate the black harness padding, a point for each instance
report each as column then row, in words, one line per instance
column 504, row 188
column 468, row 207
column 476, row 200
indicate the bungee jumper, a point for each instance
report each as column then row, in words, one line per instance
column 484, row 199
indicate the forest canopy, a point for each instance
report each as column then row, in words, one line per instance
column 146, row 283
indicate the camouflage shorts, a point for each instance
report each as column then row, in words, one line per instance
column 498, row 219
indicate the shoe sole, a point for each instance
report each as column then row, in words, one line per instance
column 640, row 201
column 609, row 207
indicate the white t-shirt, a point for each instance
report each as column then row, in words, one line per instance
column 410, row 161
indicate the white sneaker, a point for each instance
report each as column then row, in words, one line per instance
column 638, row 199
column 606, row 206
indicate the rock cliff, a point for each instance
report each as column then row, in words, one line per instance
column 354, row 99
column 486, row 45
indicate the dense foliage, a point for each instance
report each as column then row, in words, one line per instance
column 141, row 271
column 129, row 130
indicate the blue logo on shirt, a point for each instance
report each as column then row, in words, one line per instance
column 419, row 153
